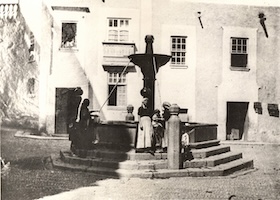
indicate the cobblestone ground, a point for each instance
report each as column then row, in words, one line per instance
column 31, row 175
column 31, row 178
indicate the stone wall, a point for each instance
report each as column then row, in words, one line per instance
column 18, row 74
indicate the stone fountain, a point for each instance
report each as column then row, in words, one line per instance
column 149, row 64
column 115, row 154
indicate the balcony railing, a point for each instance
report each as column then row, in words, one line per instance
column 116, row 54
column 8, row 10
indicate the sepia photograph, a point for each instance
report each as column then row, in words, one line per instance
column 140, row 99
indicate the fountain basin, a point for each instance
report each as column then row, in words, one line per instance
column 119, row 134
column 123, row 134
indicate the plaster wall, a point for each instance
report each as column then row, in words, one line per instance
column 83, row 66
column 18, row 96
column 268, row 77
column 177, row 83
column 238, row 86
column 35, row 20
column 99, row 75
column 215, row 83
column 204, row 85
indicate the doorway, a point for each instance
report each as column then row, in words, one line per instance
column 236, row 120
column 62, row 96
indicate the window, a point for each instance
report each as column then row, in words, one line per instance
column 31, row 87
column 118, row 93
column 118, row 30
column 31, row 48
column 239, row 49
column 68, row 36
column 178, row 50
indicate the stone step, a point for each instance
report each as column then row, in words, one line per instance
column 213, row 161
column 114, row 164
column 124, row 155
column 221, row 170
column 148, row 163
column 209, row 151
column 236, row 165
column 131, row 164
column 204, row 144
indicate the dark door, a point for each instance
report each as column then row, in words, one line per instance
column 236, row 118
column 61, row 114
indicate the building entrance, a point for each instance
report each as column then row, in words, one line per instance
column 236, row 120
column 62, row 96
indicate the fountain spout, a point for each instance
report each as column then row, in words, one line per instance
column 149, row 64
column 149, row 39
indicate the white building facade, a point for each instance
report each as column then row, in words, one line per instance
column 224, row 67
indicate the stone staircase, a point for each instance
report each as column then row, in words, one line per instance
column 209, row 159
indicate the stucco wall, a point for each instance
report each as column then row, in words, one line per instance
column 17, row 105
column 268, row 76
column 204, row 85
column 214, row 80
column 84, row 65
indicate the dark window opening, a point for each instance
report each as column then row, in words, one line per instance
column 31, row 86
column 68, row 37
column 239, row 60
column 113, row 98
column 116, row 89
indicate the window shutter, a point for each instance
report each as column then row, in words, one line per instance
column 239, row 60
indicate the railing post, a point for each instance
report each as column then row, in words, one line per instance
column 174, row 139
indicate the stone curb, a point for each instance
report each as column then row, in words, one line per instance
column 229, row 142
column 23, row 134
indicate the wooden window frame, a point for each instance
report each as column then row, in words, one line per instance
column 178, row 50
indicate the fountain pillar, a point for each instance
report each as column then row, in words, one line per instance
column 149, row 73
column 174, row 139
column 149, row 64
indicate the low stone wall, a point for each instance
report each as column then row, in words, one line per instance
column 199, row 132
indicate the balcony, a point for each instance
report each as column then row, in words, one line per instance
column 8, row 9
column 115, row 55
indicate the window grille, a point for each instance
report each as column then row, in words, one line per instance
column 118, row 30
column 178, row 50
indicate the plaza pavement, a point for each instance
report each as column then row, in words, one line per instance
column 261, row 183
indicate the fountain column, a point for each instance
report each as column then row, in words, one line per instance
column 149, row 64
column 149, row 73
